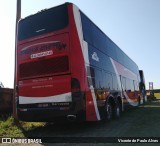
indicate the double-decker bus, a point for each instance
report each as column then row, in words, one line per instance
column 67, row 68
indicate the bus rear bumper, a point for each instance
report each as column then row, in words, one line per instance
column 55, row 111
column 49, row 115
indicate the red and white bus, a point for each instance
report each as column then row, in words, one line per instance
column 67, row 68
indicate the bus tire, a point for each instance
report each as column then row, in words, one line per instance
column 117, row 110
column 108, row 111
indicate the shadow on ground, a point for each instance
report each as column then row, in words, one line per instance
column 142, row 121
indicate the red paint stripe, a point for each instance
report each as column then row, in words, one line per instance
column 76, row 47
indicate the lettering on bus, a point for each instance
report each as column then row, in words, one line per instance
column 41, row 54
column 44, row 47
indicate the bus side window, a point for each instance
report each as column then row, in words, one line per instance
column 136, row 86
column 115, row 82
column 130, row 85
column 98, row 79
column 107, row 80
column 123, row 83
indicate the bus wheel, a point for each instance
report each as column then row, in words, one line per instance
column 109, row 111
column 117, row 110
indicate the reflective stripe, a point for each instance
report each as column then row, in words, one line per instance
column 131, row 102
column 49, row 99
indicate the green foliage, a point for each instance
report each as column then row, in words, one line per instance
column 27, row 126
column 9, row 129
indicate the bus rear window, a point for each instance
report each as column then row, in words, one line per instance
column 56, row 65
column 44, row 22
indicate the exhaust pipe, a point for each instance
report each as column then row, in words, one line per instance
column 71, row 118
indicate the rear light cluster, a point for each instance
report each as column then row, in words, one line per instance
column 43, row 67
column 23, row 110
column 75, row 85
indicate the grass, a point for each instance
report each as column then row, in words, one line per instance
column 157, row 95
column 9, row 129
column 136, row 122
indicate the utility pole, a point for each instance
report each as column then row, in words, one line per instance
column 18, row 16
column 18, row 13
column 151, row 89
column 150, row 86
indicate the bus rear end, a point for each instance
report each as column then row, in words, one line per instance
column 44, row 83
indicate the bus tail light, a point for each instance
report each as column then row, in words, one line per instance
column 75, row 85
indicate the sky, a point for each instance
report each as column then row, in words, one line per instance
column 134, row 25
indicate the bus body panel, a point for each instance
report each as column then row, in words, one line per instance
column 44, row 67
column 92, row 113
column 43, row 88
